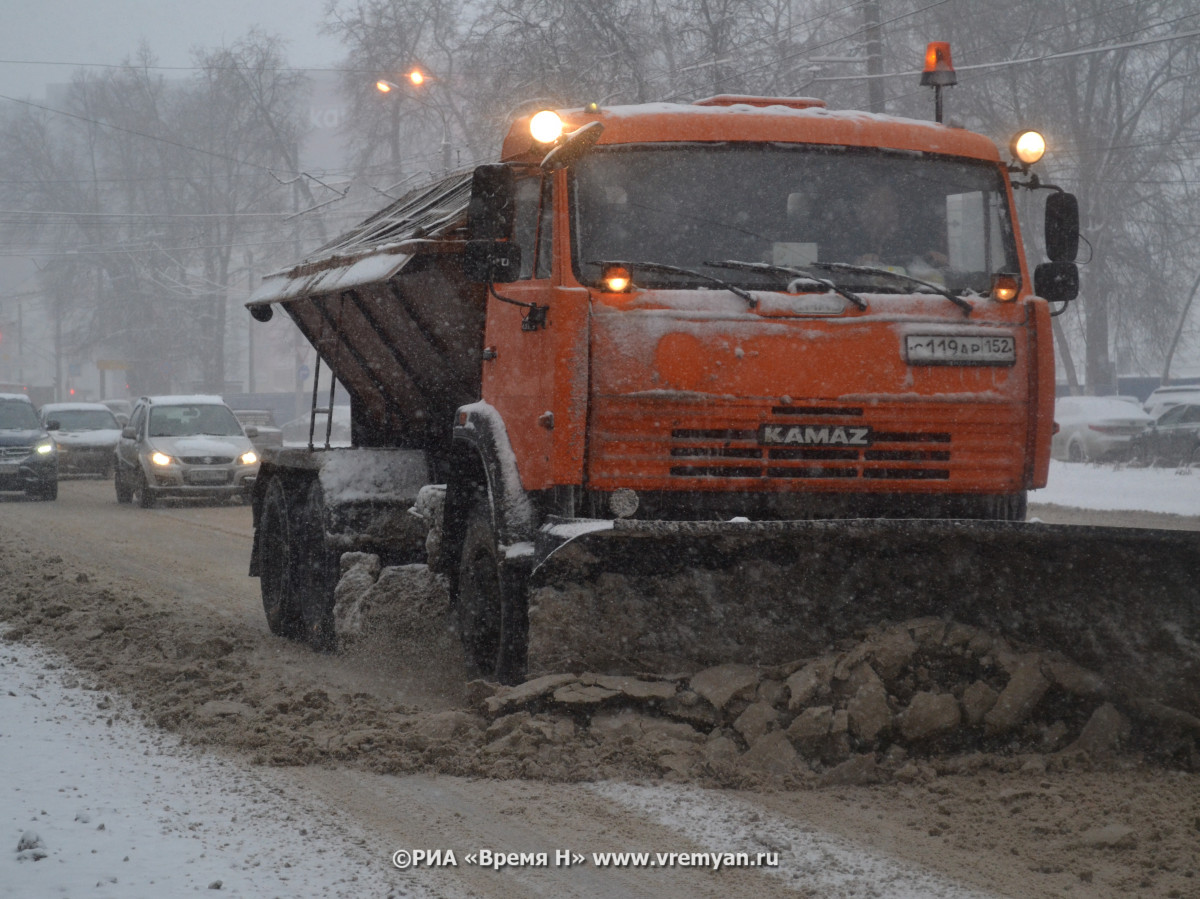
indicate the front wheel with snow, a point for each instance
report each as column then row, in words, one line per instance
column 491, row 604
column 276, row 565
column 478, row 600
column 316, row 573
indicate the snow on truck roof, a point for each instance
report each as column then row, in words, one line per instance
column 379, row 247
column 762, row 119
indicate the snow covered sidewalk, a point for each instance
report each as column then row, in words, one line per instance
column 96, row 804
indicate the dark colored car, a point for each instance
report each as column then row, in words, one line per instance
column 1173, row 439
column 86, row 437
column 28, row 455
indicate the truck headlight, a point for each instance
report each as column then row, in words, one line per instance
column 161, row 458
column 546, row 127
column 1027, row 146
column 43, row 449
column 248, row 458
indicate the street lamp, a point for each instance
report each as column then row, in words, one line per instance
column 417, row 78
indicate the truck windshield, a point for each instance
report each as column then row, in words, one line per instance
column 943, row 220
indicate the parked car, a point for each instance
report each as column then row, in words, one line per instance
column 269, row 435
column 189, row 446
column 295, row 432
column 1164, row 398
column 1096, row 427
column 86, row 436
column 1173, row 439
column 122, row 409
column 28, row 454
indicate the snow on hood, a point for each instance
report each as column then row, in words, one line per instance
column 22, row 437
column 202, row 445
column 95, row 437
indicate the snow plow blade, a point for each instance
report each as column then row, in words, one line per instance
column 674, row 597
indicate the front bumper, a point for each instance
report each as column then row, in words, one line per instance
column 31, row 471
column 201, row 481
column 85, row 460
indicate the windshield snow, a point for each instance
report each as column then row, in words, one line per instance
column 942, row 220
column 192, row 421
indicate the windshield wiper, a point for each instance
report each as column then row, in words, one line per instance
column 680, row 270
column 929, row 286
column 825, row 283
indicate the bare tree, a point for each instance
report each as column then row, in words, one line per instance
column 157, row 188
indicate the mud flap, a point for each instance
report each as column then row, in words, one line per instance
column 637, row 596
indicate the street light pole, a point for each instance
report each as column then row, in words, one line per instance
column 418, row 79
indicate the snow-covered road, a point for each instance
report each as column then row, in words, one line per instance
column 96, row 804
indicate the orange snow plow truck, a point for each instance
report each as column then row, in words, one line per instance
column 677, row 385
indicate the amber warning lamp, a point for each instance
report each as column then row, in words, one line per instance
column 938, row 72
column 616, row 279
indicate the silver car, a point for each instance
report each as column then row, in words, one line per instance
column 184, row 446
column 1093, row 428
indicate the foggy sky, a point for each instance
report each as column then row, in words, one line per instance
column 79, row 32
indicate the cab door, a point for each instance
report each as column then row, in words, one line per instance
column 519, row 338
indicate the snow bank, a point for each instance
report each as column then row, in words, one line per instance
column 1109, row 488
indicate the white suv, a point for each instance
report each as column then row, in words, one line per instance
column 187, row 446
column 1164, row 398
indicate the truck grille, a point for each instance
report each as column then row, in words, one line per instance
column 809, row 462
column 683, row 445
column 207, row 460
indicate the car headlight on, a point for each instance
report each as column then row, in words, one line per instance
column 43, row 449
column 161, row 458
column 248, row 458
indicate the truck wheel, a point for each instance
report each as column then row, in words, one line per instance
column 317, row 574
column 1075, row 452
column 124, row 491
column 275, row 578
column 1014, row 506
column 479, row 594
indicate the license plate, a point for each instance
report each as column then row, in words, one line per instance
column 208, row 477
column 941, row 349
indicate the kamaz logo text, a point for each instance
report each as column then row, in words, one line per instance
column 814, row 435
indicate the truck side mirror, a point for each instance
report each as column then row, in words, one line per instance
column 1062, row 227
column 492, row 210
column 1057, row 282
column 492, row 261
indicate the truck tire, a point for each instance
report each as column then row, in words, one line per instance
column 317, row 570
column 478, row 602
column 275, row 579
